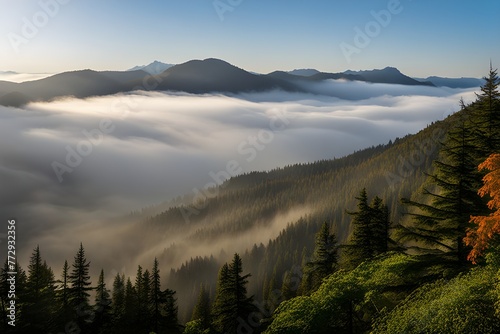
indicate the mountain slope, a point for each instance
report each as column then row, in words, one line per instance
column 388, row 75
column 214, row 75
column 254, row 208
column 154, row 68
column 454, row 82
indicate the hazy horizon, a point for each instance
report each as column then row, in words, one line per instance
column 418, row 37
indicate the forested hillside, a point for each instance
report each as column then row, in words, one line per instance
column 376, row 241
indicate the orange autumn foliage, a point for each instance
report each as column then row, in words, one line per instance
column 487, row 226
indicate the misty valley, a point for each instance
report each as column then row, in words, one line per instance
column 204, row 198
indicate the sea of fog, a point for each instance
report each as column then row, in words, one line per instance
column 69, row 166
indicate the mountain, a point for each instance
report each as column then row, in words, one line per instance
column 154, row 68
column 389, row 75
column 300, row 197
column 453, row 82
column 195, row 76
column 304, row 72
column 79, row 84
column 215, row 75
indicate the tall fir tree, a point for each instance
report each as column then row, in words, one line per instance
column 201, row 311
column 232, row 306
column 40, row 304
column 324, row 260
column 486, row 120
column 156, row 297
column 370, row 236
column 118, row 300
column 102, row 307
column 440, row 223
column 80, row 287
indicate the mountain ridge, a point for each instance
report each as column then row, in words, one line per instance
column 210, row 75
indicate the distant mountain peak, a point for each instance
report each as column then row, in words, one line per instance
column 304, row 72
column 154, row 68
column 390, row 75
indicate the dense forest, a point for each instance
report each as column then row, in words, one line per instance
column 397, row 238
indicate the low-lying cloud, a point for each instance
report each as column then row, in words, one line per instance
column 154, row 146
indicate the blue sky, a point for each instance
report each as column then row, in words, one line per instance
column 424, row 37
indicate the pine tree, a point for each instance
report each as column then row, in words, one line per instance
column 40, row 303
column 146, row 310
column 170, row 311
column 362, row 237
column 232, row 306
column 324, row 259
column 65, row 312
column 102, row 307
column 156, row 298
column 118, row 299
column 79, row 289
column 202, row 309
column 380, row 226
column 441, row 224
column 129, row 324
column 222, row 302
column 486, row 121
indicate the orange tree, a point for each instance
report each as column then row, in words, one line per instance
column 487, row 226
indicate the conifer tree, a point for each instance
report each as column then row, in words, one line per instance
column 118, row 299
column 486, row 120
column 130, row 308
column 361, row 239
column 102, row 307
column 156, row 298
column 80, row 288
column 202, row 309
column 324, row 259
column 441, row 222
column 40, row 303
column 232, row 306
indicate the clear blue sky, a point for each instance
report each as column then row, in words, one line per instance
column 445, row 37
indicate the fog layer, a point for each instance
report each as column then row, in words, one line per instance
column 68, row 168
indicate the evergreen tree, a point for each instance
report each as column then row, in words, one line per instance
column 202, row 309
column 146, row 310
column 40, row 303
column 440, row 224
column 380, row 226
column 324, row 260
column 102, row 307
column 361, row 239
column 65, row 312
column 118, row 299
column 170, row 311
column 486, row 120
column 156, row 298
column 232, row 306
column 79, row 289
column 129, row 324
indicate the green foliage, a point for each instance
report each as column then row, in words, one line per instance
column 465, row 304
column 346, row 301
column 232, row 306
column 371, row 230
column 324, row 259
